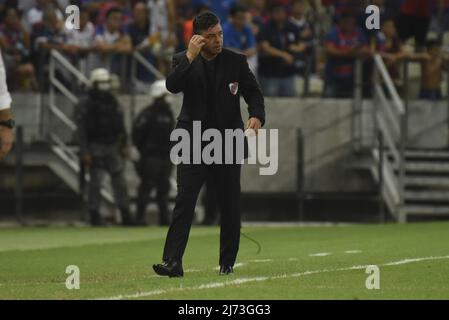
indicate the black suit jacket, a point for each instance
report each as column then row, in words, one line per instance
column 231, row 68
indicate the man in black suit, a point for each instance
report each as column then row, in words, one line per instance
column 212, row 79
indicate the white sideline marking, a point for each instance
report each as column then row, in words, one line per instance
column 353, row 251
column 320, row 254
column 238, row 281
column 405, row 261
column 261, row 260
column 293, row 259
column 237, row 265
column 256, row 224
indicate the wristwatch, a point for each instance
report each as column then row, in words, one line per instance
column 8, row 124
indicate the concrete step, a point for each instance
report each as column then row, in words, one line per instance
column 427, row 154
column 427, row 196
column 427, row 167
column 427, row 182
column 426, row 210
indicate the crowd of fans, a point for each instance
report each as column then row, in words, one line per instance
column 283, row 39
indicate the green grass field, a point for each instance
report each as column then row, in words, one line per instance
column 295, row 263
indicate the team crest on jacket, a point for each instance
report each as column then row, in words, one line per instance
column 234, row 88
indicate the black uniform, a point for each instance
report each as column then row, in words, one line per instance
column 151, row 136
column 210, row 97
column 102, row 134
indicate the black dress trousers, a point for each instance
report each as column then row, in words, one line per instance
column 190, row 179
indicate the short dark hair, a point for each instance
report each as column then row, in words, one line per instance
column 204, row 21
column 112, row 11
column 236, row 8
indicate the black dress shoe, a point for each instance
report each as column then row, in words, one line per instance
column 170, row 269
column 226, row 270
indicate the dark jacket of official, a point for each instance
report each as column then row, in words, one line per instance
column 152, row 128
column 232, row 69
column 100, row 120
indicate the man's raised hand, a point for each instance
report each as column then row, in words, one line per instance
column 195, row 45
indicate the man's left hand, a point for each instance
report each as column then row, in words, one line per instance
column 6, row 141
column 254, row 123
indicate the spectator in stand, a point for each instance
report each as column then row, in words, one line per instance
column 35, row 15
column 388, row 45
column 299, row 19
column 163, row 25
column 432, row 64
column 123, row 5
column 259, row 15
column 139, row 31
column 343, row 45
column 111, row 42
column 49, row 34
column 81, row 41
column 414, row 20
column 237, row 35
column 183, row 12
column 279, row 41
column 46, row 36
column 92, row 7
column 15, row 48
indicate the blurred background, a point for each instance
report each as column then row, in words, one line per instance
column 362, row 114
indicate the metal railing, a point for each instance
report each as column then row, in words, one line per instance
column 68, row 154
column 390, row 118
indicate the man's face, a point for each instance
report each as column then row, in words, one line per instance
column 140, row 12
column 299, row 9
column 239, row 20
column 11, row 17
column 279, row 15
column 389, row 29
column 114, row 21
column 214, row 40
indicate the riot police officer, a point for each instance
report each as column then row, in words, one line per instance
column 103, row 142
column 151, row 136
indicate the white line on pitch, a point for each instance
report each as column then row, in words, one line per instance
column 265, row 278
column 320, row 254
column 353, row 251
column 237, row 265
